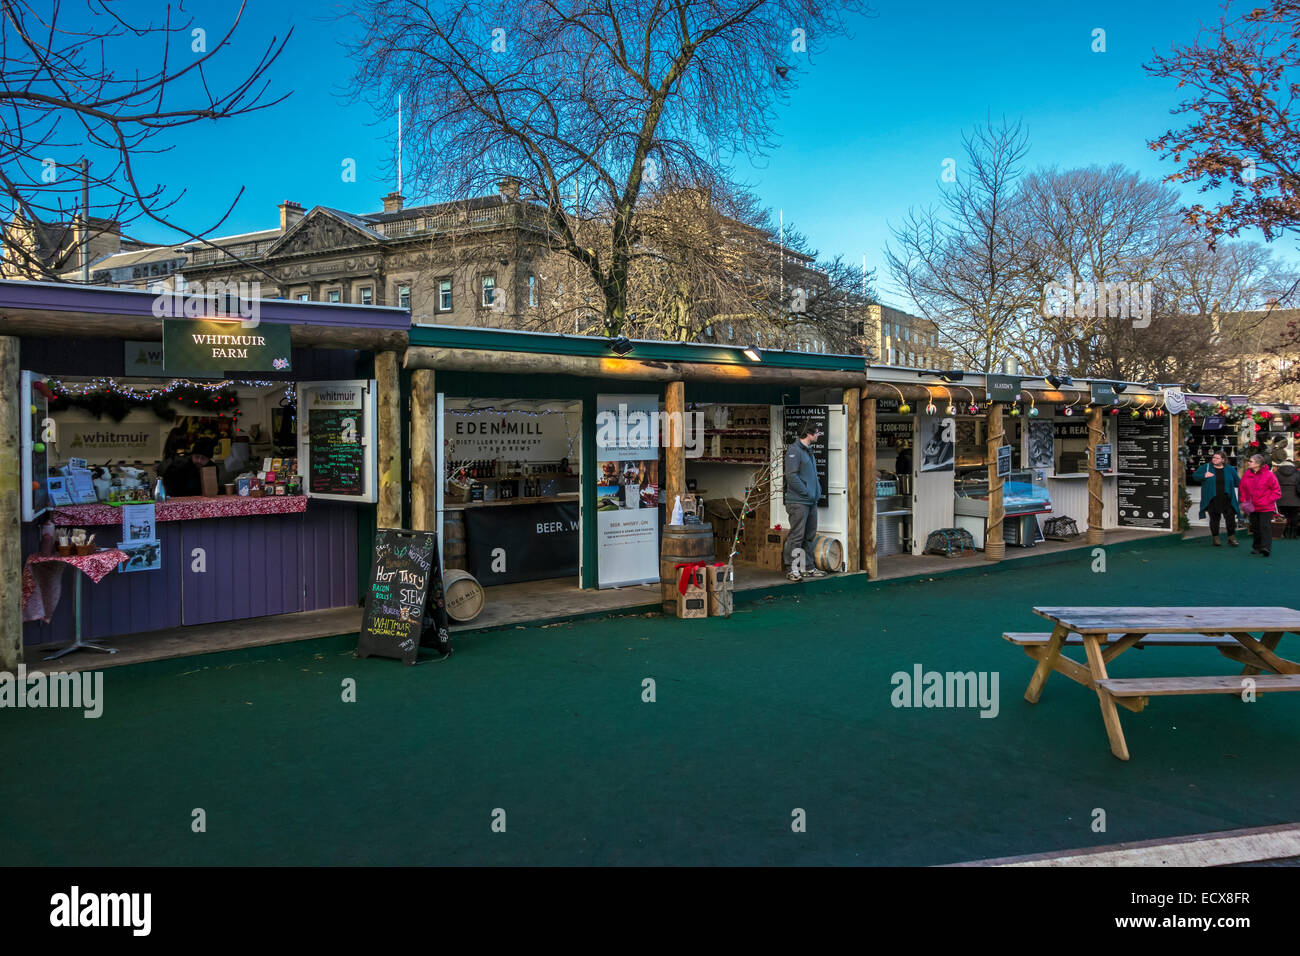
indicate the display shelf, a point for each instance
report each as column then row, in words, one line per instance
column 729, row 461
column 753, row 432
column 461, row 506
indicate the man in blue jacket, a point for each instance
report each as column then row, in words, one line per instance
column 802, row 492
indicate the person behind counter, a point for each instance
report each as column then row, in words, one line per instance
column 182, row 478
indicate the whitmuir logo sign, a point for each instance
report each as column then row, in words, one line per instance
column 211, row 347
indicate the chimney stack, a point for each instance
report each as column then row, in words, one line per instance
column 290, row 213
column 393, row 201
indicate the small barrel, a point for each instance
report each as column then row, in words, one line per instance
column 682, row 544
column 453, row 539
column 463, row 593
column 827, row 553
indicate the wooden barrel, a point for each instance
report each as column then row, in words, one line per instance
column 827, row 553
column 463, row 593
column 453, row 540
column 681, row 544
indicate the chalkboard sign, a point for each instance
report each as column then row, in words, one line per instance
column 794, row 416
column 338, row 459
column 1004, row 461
column 336, row 447
column 405, row 607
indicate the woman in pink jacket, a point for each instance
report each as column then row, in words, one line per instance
column 1259, row 494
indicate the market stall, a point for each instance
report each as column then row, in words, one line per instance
column 235, row 468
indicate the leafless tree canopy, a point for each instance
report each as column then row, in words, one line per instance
column 588, row 105
column 66, row 96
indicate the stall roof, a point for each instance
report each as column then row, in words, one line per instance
column 61, row 309
column 552, row 343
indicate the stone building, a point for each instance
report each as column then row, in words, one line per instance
column 897, row 338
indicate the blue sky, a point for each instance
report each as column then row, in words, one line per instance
column 862, row 138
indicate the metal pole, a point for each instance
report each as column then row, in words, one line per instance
column 85, row 224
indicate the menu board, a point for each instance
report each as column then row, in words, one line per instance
column 793, row 417
column 405, row 607
column 336, row 428
column 1144, row 487
column 35, row 454
column 338, row 459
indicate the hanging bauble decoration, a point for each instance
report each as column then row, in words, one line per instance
column 1015, row 410
column 904, row 408
column 931, row 409
column 1134, row 414
column 1067, row 411
column 1033, row 412
column 1149, row 414
column 973, row 408
column 952, row 409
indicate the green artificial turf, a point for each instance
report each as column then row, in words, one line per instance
column 785, row 705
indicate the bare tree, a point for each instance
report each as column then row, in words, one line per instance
column 65, row 101
column 969, row 265
column 586, row 103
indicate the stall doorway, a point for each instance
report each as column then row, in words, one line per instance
column 510, row 489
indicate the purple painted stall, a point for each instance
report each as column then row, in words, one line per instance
column 254, row 565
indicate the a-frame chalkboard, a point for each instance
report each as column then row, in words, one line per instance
column 405, row 607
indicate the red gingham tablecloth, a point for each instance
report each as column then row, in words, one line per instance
column 184, row 509
column 43, row 578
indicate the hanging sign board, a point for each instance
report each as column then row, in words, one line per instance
column 546, row 433
column 1175, row 401
column 1002, row 388
column 336, row 445
column 1004, row 461
column 405, row 607
column 1104, row 394
column 793, row 418
column 209, row 348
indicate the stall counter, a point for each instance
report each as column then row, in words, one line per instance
column 183, row 509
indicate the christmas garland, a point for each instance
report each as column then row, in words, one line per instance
column 116, row 402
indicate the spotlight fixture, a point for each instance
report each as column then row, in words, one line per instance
column 952, row 375
column 1119, row 387
column 752, row 353
column 1194, row 386
column 622, row 345
column 1056, row 381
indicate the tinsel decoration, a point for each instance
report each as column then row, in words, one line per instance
column 116, row 402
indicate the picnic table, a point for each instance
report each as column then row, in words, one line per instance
column 1107, row 632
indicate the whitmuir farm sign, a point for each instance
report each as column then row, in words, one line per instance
column 211, row 347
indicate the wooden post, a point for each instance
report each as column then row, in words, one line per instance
column 424, row 438
column 675, row 453
column 1095, row 533
column 867, row 489
column 11, row 555
column 995, row 547
column 853, row 482
column 1178, row 475
column 388, row 514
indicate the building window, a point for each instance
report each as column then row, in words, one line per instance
column 333, row 295
column 304, row 296
column 444, row 295
column 404, row 296
column 367, row 296
column 532, row 291
column 489, row 291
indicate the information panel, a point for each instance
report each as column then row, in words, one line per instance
column 336, row 448
column 1144, row 485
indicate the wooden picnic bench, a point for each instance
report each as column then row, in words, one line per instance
column 1107, row 632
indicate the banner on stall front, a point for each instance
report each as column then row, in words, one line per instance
column 103, row 441
column 546, row 433
column 522, row 543
column 627, row 490
column 937, row 441
column 208, row 348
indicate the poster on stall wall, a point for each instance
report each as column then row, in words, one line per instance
column 627, row 489
column 138, row 522
column 937, row 443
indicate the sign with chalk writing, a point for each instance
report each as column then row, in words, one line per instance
column 405, row 607
column 336, row 447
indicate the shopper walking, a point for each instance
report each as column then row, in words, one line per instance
column 1259, row 495
column 1219, row 497
column 802, row 492
column 1288, row 480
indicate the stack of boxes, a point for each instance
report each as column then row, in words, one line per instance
column 724, row 515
